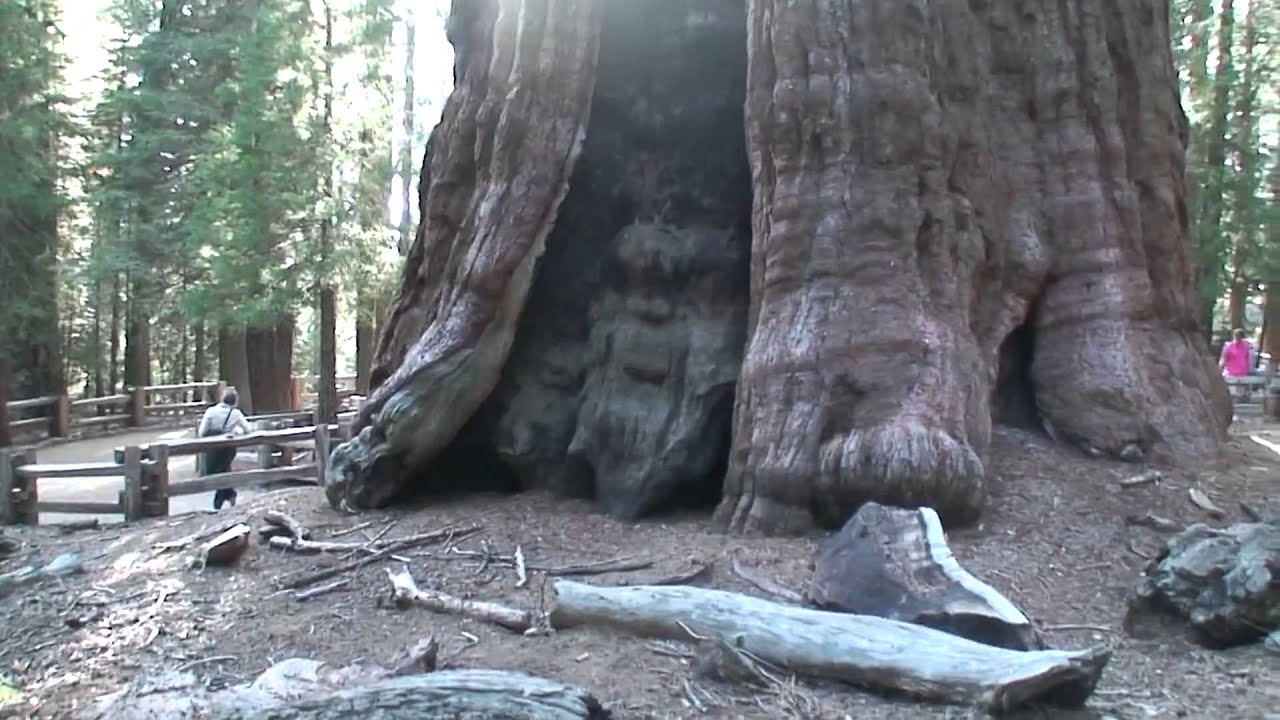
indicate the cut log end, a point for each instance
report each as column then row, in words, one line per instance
column 895, row 563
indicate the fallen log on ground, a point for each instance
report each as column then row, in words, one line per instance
column 300, row 689
column 858, row 649
column 895, row 563
column 446, row 695
column 405, row 592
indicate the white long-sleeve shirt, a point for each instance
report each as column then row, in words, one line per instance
column 223, row 419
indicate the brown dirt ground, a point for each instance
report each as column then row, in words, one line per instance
column 1054, row 540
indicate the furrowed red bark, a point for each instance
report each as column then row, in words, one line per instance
column 925, row 174
column 499, row 169
column 960, row 213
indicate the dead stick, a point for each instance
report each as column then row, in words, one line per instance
column 205, row 661
column 1078, row 626
column 394, row 547
column 382, row 532
column 598, row 568
column 303, row 595
column 763, row 583
column 352, row 529
column 696, row 570
column 522, row 575
column 619, row 564
column 406, row 592
column 321, row 546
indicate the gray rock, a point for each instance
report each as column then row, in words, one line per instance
column 1131, row 453
column 1226, row 583
column 1272, row 643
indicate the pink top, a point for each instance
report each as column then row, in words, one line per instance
column 1235, row 358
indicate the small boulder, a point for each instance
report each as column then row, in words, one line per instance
column 1226, row 583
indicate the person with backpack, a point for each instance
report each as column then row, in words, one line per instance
column 222, row 419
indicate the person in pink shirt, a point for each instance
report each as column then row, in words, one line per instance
column 1236, row 356
column 1235, row 363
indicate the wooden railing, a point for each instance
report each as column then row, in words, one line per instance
column 144, row 471
column 63, row 414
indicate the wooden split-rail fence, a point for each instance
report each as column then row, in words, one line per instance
column 60, row 415
column 144, row 470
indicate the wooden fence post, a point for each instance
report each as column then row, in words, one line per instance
column 218, row 391
column 156, row 503
column 265, row 453
column 8, row 506
column 322, row 452
column 29, row 507
column 18, row 504
column 18, row 496
column 137, row 406
column 60, row 417
column 133, row 509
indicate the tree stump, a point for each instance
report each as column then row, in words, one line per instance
column 895, row 563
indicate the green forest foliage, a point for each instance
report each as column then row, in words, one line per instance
column 188, row 198
column 1226, row 53
column 31, row 122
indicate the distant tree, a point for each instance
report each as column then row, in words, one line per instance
column 30, row 123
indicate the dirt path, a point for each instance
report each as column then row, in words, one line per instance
column 104, row 489
column 1054, row 539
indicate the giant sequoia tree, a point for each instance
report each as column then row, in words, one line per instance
column 930, row 216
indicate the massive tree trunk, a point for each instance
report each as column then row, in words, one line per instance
column 927, row 212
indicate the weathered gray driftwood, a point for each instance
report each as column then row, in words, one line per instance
column 301, row 689
column 895, row 563
column 405, row 593
column 451, row 695
column 859, row 649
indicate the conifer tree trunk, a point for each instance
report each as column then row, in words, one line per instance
column 364, row 341
column 269, row 357
column 200, row 362
column 6, row 434
column 233, row 365
column 1243, row 180
column 113, row 352
column 1211, row 191
column 408, row 126
column 137, row 337
column 623, row 288
column 326, row 389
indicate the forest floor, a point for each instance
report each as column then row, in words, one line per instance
column 1054, row 540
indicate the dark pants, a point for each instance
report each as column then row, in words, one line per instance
column 219, row 461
